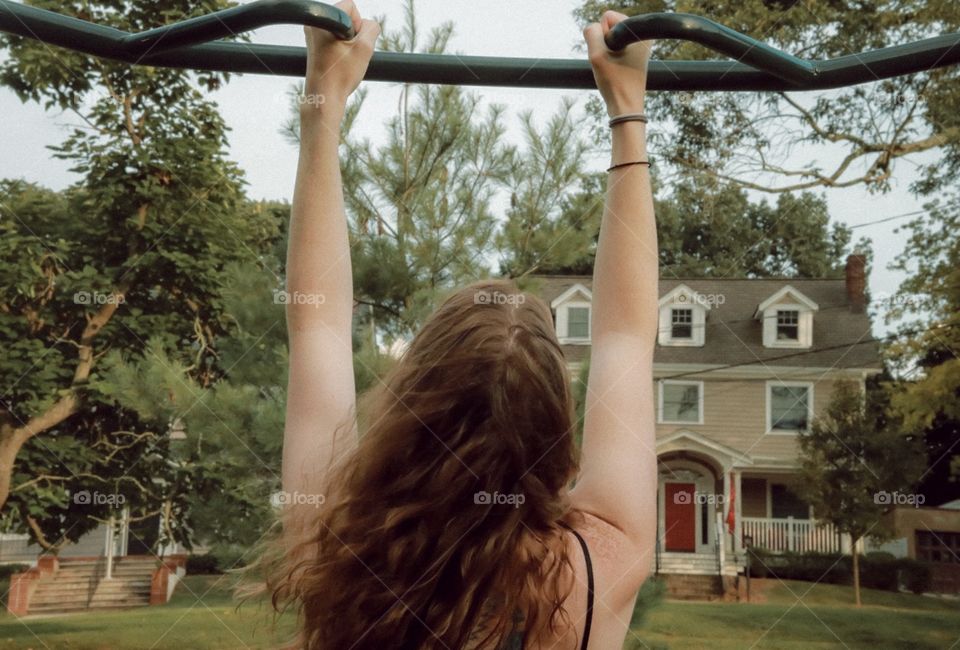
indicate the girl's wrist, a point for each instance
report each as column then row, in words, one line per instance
column 320, row 122
column 319, row 107
column 619, row 106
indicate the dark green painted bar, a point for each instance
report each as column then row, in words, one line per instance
column 195, row 44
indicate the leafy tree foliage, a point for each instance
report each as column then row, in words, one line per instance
column 929, row 304
column 852, row 456
column 709, row 229
column 129, row 263
column 751, row 138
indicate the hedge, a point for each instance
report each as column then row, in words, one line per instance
column 878, row 570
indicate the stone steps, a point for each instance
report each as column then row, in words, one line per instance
column 693, row 564
column 82, row 585
column 692, row 587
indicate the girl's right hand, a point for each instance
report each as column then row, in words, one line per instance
column 621, row 76
column 334, row 67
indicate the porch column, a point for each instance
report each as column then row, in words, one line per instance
column 721, row 518
column 738, row 513
column 123, row 536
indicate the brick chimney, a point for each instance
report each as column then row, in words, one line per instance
column 857, row 281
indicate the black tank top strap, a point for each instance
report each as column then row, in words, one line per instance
column 590, row 588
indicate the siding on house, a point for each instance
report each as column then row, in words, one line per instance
column 19, row 549
column 735, row 366
column 735, row 414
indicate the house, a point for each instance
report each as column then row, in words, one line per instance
column 741, row 366
column 930, row 534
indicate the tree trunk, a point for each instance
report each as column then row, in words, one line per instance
column 9, row 446
column 13, row 437
column 856, row 569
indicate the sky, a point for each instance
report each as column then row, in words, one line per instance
column 255, row 106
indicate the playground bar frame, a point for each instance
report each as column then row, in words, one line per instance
column 197, row 44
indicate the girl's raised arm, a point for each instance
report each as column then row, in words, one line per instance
column 619, row 465
column 319, row 291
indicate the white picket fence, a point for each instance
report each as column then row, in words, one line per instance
column 797, row 535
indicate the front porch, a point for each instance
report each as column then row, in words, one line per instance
column 714, row 502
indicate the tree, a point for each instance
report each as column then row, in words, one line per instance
column 549, row 225
column 731, row 136
column 130, row 261
column 852, row 457
column 710, row 229
column 420, row 206
column 925, row 353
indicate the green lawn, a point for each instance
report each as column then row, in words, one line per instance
column 803, row 615
column 201, row 616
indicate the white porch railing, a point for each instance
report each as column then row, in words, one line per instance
column 797, row 535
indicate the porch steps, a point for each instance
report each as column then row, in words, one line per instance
column 693, row 587
column 694, row 564
column 80, row 585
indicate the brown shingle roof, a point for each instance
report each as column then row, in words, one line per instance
column 734, row 336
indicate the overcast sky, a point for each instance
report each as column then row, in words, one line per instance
column 254, row 106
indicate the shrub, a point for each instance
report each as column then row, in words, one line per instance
column 915, row 575
column 205, row 564
column 219, row 560
column 811, row 567
column 879, row 570
column 7, row 570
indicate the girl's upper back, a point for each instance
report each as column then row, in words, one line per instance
column 608, row 571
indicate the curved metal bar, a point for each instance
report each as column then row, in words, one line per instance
column 236, row 20
column 185, row 45
column 717, row 37
column 99, row 40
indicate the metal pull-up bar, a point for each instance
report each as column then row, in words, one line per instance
column 195, row 44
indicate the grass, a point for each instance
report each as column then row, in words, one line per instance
column 202, row 616
column 804, row 615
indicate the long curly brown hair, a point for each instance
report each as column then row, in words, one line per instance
column 442, row 528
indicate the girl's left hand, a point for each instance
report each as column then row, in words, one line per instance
column 335, row 68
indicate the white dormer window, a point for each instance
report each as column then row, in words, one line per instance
column 578, row 322
column 683, row 317
column 573, row 311
column 788, row 325
column 681, row 323
column 787, row 318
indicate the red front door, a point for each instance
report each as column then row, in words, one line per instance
column 679, row 514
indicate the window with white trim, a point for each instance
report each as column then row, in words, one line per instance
column 683, row 318
column 578, row 322
column 681, row 323
column 681, row 402
column 787, row 318
column 789, row 406
column 788, row 325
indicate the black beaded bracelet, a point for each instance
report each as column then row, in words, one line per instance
column 627, row 117
column 626, row 164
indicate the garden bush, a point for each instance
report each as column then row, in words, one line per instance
column 878, row 569
column 915, row 575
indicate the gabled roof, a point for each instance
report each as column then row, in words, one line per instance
column 682, row 289
column 689, row 440
column 569, row 293
column 842, row 335
column 788, row 290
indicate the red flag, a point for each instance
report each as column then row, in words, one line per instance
column 731, row 511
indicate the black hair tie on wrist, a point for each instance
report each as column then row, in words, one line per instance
column 627, row 164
